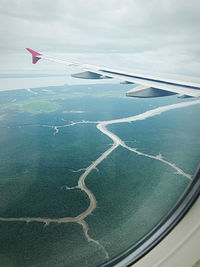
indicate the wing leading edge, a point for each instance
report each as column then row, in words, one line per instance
column 148, row 86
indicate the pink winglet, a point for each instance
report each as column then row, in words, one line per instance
column 35, row 55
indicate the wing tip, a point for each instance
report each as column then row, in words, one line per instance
column 35, row 55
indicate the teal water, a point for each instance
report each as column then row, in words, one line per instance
column 32, row 244
column 132, row 196
column 133, row 193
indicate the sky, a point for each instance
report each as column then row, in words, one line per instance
column 156, row 36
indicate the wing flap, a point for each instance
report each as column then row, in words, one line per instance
column 185, row 88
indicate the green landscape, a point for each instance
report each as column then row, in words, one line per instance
column 48, row 140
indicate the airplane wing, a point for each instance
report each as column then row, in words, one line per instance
column 148, row 86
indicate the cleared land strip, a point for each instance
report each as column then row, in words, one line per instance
column 101, row 125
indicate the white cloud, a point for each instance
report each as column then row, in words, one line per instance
column 155, row 35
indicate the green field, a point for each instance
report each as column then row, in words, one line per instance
column 40, row 107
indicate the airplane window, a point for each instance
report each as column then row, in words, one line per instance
column 88, row 176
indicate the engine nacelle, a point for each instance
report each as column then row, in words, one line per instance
column 184, row 96
column 145, row 92
column 89, row 75
column 126, row 82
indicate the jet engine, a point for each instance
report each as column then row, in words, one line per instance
column 89, row 75
column 145, row 92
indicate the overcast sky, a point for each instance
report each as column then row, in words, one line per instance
column 151, row 35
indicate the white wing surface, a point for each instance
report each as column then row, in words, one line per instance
column 149, row 86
